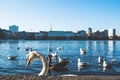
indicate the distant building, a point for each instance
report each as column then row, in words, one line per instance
column 102, row 34
column 81, row 33
column 111, row 33
column 89, row 30
column 13, row 28
column 89, row 34
column 56, row 34
column 68, row 34
column 7, row 34
column 41, row 35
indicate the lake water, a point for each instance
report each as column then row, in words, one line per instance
column 109, row 49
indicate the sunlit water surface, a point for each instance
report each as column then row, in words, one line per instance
column 109, row 49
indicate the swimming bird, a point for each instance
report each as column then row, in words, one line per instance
column 18, row 48
column 82, row 51
column 49, row 48
column 46, row 65
column 12, row 57
column 105, row 64
column 34, row 54
column 59, row 48
column 54, row 55
column 81, row 63
column 59, row 66
column 100, row 59
column 28, row 49
column 62, row 60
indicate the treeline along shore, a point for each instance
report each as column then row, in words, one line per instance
column 55, row 35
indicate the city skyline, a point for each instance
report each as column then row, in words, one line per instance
column 61, row 15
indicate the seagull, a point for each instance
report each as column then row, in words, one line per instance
column 105, row 64
column 12, row 57
column 60, row 48
column 100, row 59
column 81, row 63
column 82, row 51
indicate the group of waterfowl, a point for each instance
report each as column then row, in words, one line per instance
column 101, row 60
column 47, row 65
column 13, row 57
column 60, row 63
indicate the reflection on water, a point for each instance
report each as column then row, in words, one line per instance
column 108, row 49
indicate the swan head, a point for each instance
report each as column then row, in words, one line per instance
column 33, row 55
column 30, row 57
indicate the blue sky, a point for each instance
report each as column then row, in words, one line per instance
column 65, row 15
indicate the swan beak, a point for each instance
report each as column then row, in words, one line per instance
column 27, row 64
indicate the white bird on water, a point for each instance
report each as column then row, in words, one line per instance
column 82, row 51
column 81, row 63
column 100, row 59
column 105, row 64
column 59, row 48
column 12, row 57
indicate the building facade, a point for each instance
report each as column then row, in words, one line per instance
column 13, row 28
column 111, row 32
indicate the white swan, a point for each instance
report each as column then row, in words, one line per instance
column 82, row 51
column 31, row 56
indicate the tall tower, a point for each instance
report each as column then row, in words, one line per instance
column 111, row 33
column 51, row 27
column 89, row 31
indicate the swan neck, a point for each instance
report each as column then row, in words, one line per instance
column 45, row 65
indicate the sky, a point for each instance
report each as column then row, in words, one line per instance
column 61, row 15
